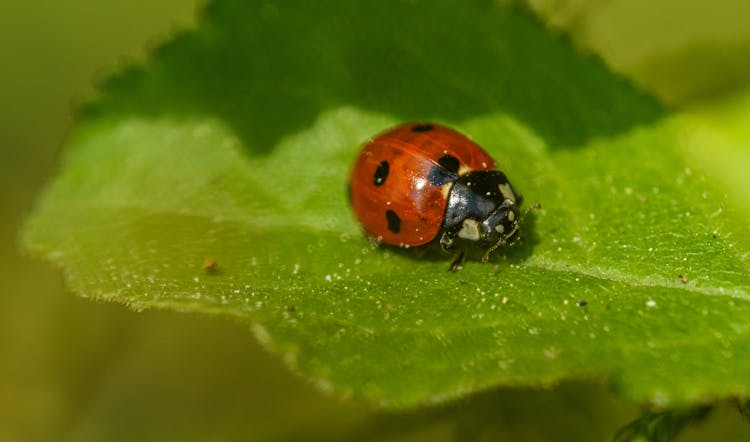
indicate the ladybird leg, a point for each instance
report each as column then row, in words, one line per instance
column 458, row 260
column 446, row 242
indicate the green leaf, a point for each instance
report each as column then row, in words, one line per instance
column 683, row 53
column 661, row 427
column 235, row 141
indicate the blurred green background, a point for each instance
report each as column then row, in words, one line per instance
column 71, row 369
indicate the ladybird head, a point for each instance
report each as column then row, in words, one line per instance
column 510, row 221
column 501, row 225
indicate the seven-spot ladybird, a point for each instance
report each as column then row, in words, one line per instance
column 421, row 183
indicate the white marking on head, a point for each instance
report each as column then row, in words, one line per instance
column 445, row 189
column 463, row 169
column 511, row 216
column 507, row 192
column 469, row 230
column 500, row 228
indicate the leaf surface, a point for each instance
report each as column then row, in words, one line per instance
column 235, row 141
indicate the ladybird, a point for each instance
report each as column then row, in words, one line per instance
column 422, row 183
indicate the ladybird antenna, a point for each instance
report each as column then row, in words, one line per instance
column 534, row 207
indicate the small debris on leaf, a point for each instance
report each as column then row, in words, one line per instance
column 210, row 265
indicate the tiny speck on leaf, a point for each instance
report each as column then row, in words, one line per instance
column 582, row 303
column 683, row 279
column 210, row 266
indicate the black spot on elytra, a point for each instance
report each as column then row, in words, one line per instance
column 381, row 173
column 445, row 172
column 394, row 222
column 422, row 127
column 449, row 163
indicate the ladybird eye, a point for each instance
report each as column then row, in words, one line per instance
column 394, row 222
column 381, row 173
column 422, row 127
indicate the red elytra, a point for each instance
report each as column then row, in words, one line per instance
column 395, row 192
